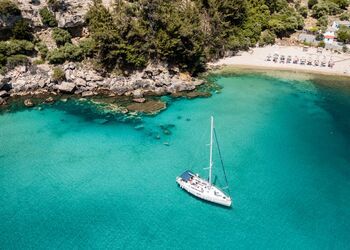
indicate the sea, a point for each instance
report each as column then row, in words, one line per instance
column 74, row 177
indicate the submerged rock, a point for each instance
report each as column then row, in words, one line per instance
column 139, row 100
column 49, row 100
column 101, row 121
column 139, row 127
column 28, row 103
column 147, row 107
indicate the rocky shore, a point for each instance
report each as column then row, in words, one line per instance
column 82, row 81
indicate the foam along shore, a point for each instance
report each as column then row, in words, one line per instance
column 295, row 58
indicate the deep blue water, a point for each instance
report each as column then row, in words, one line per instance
column 69, row 181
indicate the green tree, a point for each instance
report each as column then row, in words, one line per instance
column 311, row 3
column 9, row 8
column 61, row 36
column 343, row 34
column 22, row 30
column 47, row 17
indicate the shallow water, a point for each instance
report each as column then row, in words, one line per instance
column 69, row 180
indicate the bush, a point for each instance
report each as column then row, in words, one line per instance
column 344, row 34
column 311, row 3
column 42, row 49
column 345, row 16
column 3, row 60
column 55, row 5
column 47, row 17
column 58, row 74
column 61, row 36
column 321, row 44
column 303, row 11
column 341, row 3
column 334, row 8
column 38, row 61
column 8, row 8
column 13, row 47
column 267, row 37
column 320, row 9
column 22, row 30
column 68, row 52
column 345, row 49
column 72, row 52
column 88, row 47
column 56, row 56
column 16, row 60
column 322, row 21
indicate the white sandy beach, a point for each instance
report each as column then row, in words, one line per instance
column 256, row 58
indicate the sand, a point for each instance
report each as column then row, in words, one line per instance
column 256, row 59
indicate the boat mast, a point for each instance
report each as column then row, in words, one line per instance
column 211, row 147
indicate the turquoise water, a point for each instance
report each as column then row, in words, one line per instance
column 69, row 181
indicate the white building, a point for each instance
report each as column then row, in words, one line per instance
column 336, row 24
column 329, row 37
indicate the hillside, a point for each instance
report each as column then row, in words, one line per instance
column 119, row 38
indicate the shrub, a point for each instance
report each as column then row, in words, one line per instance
column 22, row 30
column 88, row 47
column 320, row 9
column 3, row 59
column 56, row 56
column 267, row 37
column 344, row 34
column 38, row 61
column 61, row 36
column 345, row 48
column 47, row 17
column 311, row 3
column 13, row 47
column 72, row 52
column 303, row 11
column 322, row 21
column 8, row 8
column 58, row 74
column 333, row 8
column 345, row 16
column 68, row 52
column 15, row 60
column 321, row 44
column 42, row 49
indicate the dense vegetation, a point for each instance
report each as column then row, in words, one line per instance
column 186, row 33
column 321, row 9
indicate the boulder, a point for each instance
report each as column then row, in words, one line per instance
column 80, row 82
column 87, row 93
column 139, row 100
column 138, row 93
column 67, row 87
column 49, row 99
column 69, row 75
column 42, row 83
column 3, row 93
column 2, row 101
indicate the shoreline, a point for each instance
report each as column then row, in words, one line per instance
column 256, row 60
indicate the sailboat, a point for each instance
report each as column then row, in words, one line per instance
column 201, row 188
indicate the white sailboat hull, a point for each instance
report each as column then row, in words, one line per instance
column 205, row 191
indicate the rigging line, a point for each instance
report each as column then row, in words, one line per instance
column 222, row 163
